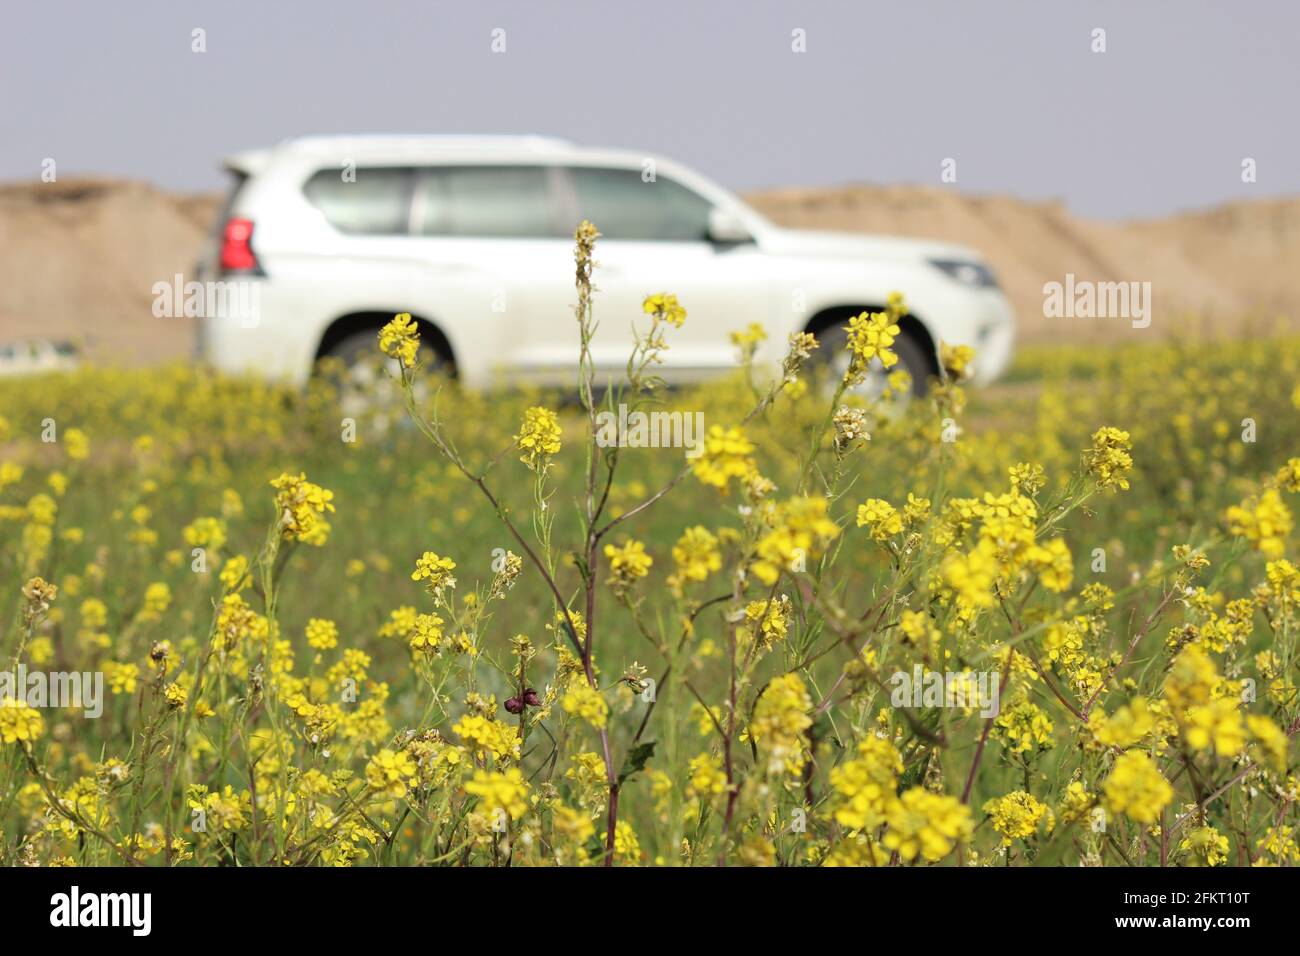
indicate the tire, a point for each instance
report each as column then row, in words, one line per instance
column 831, row 359
column 362, row 369
column 360, row 348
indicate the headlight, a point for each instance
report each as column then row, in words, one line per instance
column 973, row 274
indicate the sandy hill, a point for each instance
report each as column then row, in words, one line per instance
column 78, row 258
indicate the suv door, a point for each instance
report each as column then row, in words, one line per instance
column 655, row 238
column 498, row 266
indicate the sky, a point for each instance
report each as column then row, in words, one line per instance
column 882, row 92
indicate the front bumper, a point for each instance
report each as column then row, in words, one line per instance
column 995, row 343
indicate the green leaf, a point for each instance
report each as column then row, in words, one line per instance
column 635, row 760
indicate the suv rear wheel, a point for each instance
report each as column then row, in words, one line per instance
column 362, row 372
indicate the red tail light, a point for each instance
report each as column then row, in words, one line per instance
column 236, row 246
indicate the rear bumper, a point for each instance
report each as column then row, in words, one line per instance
column 269, row 340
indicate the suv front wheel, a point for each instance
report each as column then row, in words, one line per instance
column 833, row 358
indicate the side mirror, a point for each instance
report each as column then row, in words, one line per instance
column 726, row 227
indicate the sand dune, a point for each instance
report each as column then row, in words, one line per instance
column 78, row 258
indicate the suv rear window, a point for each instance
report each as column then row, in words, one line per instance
column 377, row 202
column 500, row 201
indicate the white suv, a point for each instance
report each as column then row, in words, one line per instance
column 473, row 236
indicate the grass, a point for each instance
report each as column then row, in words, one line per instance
column 708, row 791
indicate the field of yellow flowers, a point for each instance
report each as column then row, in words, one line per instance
column 1051, row 623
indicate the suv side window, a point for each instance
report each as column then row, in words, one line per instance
column 623, row 206
column 514, row 202
column 377, row 203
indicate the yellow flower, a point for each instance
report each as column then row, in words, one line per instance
column 1280, row 844
column 427, row 633
column 94, row 613
column 881, row 517
column 1108, row 459
column 627, row 563
column 488, row 737
column 772, row 617
column 390, row 773
column 919, row 630
column 1137, row 788
column 121, row 678
column 1263, row 520
column 955, row 360
column 1016, row 815
column 1216, row 725
column 302, row 506
column 585, row 701
column 1053, row 563
column 864, row 787
column 971, row 574
column 925, row 824
column 400, row 339
column 725, row 455
column 43, row 509
column 19, row 723
column 223, row 811
column 707, row 778
column 870, row 336
column 500, row 792
column 76, row 444
column 573, row 826
column 748, row 338
column 782, row 715
column 205, row 533
column 234, row 574
column 157, row 598
column 1270, row 742
column 696, row 554
column 436, row 571
column 666, row 307
column 1128, row 726
column 627, row 848
column 539, row 437
column 1076, row 804
column 322, row 634
column 1208, row 716
column 801, row 530
column 1023, row 727
column 1205, row 846
column 175, row 695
